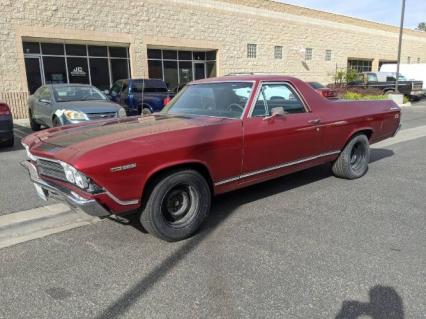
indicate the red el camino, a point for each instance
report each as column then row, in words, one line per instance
column 215, row 136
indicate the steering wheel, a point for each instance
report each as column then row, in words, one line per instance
column 235, row 106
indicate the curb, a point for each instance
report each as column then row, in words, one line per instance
column 39, row 222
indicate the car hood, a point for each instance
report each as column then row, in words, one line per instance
column 90, row 106
column 67, row 143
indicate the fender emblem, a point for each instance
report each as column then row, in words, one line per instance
column 123, row 168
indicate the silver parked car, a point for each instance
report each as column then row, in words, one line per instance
column 60, row 104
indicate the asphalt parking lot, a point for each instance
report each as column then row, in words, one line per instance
column 307, row 245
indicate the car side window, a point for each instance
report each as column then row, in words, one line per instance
column 44, row 94
column 125, row 86
column 116, row 87
column 277, row 95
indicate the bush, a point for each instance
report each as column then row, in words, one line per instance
column 357, row 96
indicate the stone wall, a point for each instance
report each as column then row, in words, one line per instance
column 226, row 25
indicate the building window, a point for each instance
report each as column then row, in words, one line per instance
column 308, row 54
column 409, row 60
column 251, row 50
column 360, row 65
column 278, row 52
column 328, row 55
column 177, row 68
column 48, row 63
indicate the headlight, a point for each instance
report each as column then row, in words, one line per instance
column 122, row 112
column 78, row 178
column 75, row 115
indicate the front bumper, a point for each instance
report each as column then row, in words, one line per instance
column 46, row 190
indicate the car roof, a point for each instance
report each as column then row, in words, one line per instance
column 246, row 78
column 67, row 84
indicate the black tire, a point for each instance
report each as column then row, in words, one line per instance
column 353, row 161
column 9, row 143
column 146, row 111
column 176, row 206
column 34, row 125
column 56, row 122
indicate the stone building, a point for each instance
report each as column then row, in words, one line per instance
column 98, row 42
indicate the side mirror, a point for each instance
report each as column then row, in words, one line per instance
column 275, row 112
column 44, row 101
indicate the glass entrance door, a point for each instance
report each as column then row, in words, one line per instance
column 34, row 74
column 199, row 70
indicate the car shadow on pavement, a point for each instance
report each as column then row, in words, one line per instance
column 377, row 154
column 223, row 207
column 384, row 303
column 19, row 132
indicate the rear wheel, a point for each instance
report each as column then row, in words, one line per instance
column 353, row 160
column 34, row 125
column 177, row 205
column 146, row 111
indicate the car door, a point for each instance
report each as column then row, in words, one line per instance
column 45, row 106
column 275, row 142
column 124, row 94
column 116, row 90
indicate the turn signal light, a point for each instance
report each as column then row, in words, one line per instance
column 4, row 109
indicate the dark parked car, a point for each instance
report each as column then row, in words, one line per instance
column 140, row 96
column 61, row 104
column 323, row 90
column 6, row 125
column 385, row 81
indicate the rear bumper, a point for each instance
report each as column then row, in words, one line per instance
column 6, row 128
column 46, row 190
column 417, row 93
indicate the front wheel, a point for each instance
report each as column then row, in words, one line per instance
column 34, row 125
column 177, row 205
column 353, row 161
column 146, row 111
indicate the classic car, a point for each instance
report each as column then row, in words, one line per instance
column 61, row 104
column 215, row 136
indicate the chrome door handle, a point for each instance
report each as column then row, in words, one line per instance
column 315, row 122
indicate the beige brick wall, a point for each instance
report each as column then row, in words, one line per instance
column 226, row 25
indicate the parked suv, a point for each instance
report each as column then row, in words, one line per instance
column 140, row 96
column 385, row 81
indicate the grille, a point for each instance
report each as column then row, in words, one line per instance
column 101, row 116
column 51, row 169
column 417, row 86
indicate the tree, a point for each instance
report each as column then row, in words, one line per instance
column 421, row 26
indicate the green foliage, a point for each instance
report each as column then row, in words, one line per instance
column 351, row 75
column 421, row 26
column 358, row 96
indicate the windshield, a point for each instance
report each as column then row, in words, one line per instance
column 226, row 99
column 77, row 93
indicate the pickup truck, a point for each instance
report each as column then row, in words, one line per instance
column 385, row 82
column 140, row 96
column 215, row 136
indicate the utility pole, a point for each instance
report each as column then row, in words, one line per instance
column 401, row 27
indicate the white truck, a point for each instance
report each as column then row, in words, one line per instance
column 410, row 71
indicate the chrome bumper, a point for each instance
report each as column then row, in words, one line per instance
column 417, row 93
column 46, row 190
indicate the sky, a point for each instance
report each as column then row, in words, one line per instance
column 383, row 11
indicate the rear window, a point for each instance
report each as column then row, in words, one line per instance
column 316, row 85
column 155, row 86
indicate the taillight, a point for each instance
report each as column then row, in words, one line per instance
column 4, row 109
column 167, row 100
